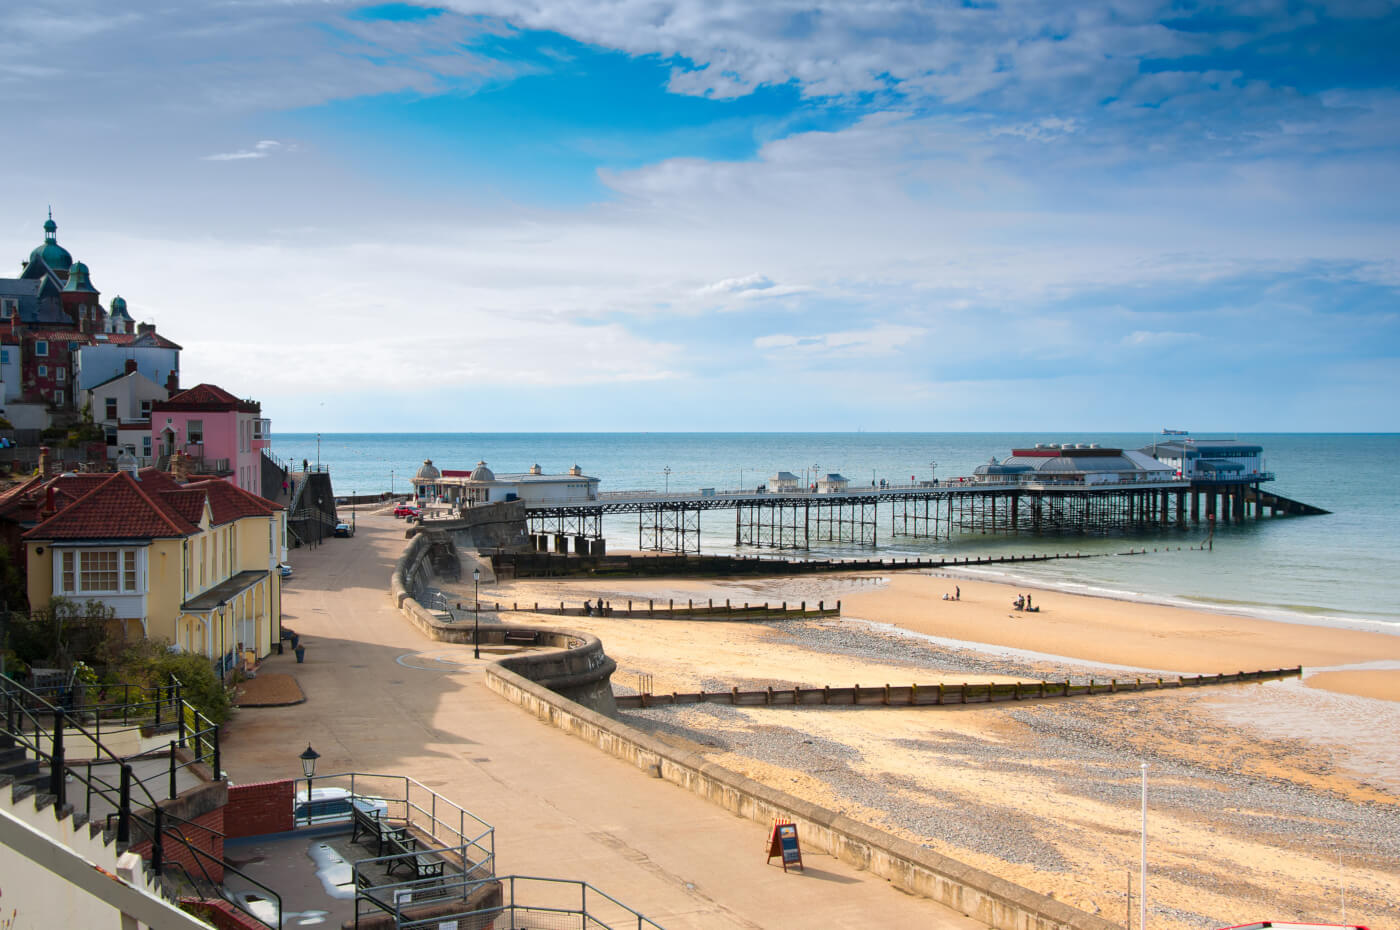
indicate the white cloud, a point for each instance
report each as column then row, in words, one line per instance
column 262, row 149
column 878, row 341
column 1159, row 340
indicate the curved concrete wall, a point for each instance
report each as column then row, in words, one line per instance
column 576, row 666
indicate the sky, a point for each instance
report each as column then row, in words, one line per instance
column 677, row 215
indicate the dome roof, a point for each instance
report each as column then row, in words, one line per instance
column 54, row 256
column 482, row 473
column 78, row 278
column 428, row 470
column 118, row 307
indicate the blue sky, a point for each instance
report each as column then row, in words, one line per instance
column 632, row 215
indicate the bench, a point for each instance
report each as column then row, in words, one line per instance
column 368, row 823
column 423, row 864
column 523, row 637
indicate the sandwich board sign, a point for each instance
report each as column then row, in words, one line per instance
column 783, row 844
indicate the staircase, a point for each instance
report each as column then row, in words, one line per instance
column 104, row 820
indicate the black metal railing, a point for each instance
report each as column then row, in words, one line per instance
column 133, row 807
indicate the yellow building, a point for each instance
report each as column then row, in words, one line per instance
column 195, row 564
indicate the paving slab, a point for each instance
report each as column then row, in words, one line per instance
column 381, row 698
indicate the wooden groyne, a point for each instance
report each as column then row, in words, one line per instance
column 942, row 695
column 509, row 565
column 649, row 610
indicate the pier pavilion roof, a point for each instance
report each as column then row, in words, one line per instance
column 1080, row 458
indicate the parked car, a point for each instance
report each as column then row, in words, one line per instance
column 284, row 569
column 333, row 805
column 405, row 510
column 342, row 530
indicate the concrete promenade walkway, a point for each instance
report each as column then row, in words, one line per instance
column 378, row 701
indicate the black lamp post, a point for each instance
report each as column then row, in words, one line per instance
column 308, row 768
column 476, row 615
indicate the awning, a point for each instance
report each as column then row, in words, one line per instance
column 224, row 591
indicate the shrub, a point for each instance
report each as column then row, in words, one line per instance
column 150, row 663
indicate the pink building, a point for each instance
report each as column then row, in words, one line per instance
column 219, row 434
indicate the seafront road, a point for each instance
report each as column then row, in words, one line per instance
column 381, row 698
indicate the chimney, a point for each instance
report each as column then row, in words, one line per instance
column 144, row 328
column 130, row 365
column 49, row 507
column 44, row 463
column 180, row 467
column 172, row 381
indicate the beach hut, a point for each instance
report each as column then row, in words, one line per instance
column 832, row 483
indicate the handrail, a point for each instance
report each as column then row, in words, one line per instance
column 58, row 767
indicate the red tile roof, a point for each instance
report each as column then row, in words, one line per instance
column 206, row 397
column 118, row 508
column 230, row 503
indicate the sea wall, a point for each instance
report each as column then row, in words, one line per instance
column 483, row 526
column 978, row 894
column 574, row 666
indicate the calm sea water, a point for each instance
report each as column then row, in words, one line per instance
column 1343, row 568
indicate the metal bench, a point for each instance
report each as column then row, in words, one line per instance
column 369, row 823
column 523, row 637
column 423, row 864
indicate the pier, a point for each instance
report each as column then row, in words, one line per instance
column 1050, row 488
column 927, row 510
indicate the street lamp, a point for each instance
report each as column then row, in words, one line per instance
column 318, row 451
column 815, row 472
column 476, row 615
column 308, row 768
column 667, row 470
column 933, row 471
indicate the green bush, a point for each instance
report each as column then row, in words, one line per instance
column 150, row 663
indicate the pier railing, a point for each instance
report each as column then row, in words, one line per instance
column 943, row 694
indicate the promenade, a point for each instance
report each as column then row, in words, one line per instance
column 380, row 698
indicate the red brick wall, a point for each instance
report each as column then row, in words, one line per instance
column 174, row 850
column 262, row 807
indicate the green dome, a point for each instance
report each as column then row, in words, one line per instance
column 78, row 278
column 118, row 307
column 54, row 256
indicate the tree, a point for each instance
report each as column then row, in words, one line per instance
column 62, row 633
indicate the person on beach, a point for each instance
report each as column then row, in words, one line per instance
column 957, row 596
column 587, row 608
column 1028, row 603
column 1020, row 602
column 600, row 608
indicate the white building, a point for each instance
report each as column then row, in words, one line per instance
column 1216, row 461
column 480, row 485
column 832, row 483
column 110, row 355
column 784, row 481
column 122, row 407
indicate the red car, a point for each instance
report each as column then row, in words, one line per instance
column 405, row 510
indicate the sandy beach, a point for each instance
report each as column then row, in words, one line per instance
column 1256, row 792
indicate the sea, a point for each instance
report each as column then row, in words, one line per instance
column 1341, row 569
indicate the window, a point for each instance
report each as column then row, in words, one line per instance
column 61, row 374
column 98, row 571
column 194, row 431
column 111, row 408
column 8, row 308
column 146, row 446
column 111, row 432
column 43, row 371
column 58, row 398
column 4, row 356
column 41, row 347
column 145, row 409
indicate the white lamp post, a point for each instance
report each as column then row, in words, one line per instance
column 1142, row 890
column 667, row 471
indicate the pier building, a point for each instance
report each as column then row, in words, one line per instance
column 481, row 485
